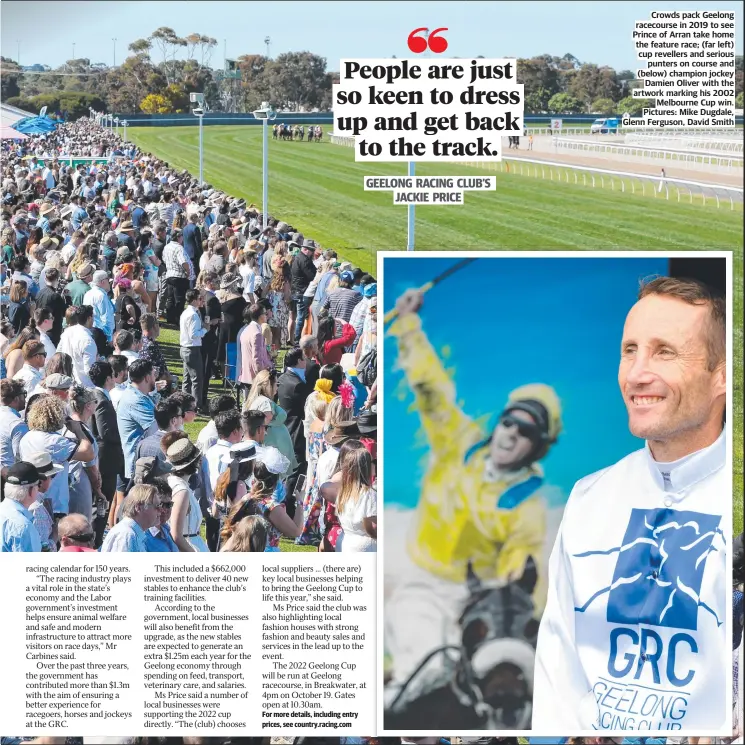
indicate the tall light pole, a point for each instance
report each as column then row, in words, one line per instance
column 116, row 121
column 199, row 111
column 265, row 114
column 18, row 52
column 124, row 124
column 268, row 42
column 73, row 51
column 114, row 40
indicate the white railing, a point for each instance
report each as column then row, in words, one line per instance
column 699, row 159
column 688, row 142
column 625, row 182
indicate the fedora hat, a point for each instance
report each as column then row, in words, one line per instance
column 127, row 225
column 342, row 432
column 46, row 208
column 182, row 454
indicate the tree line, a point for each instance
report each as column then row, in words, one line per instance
column 156, row 79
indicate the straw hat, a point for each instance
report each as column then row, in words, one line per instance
column 182, row 454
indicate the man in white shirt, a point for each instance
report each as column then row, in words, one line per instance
column 77, row 341
column 98, row 298
column 34, row 359
column 633, row 636
column 190, row 339
column 44, row 322
column 178, row 270
column 229, row 432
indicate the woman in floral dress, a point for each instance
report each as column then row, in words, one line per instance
column 316, row 445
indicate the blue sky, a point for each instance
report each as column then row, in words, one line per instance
column 556, row 321
column 598, row 32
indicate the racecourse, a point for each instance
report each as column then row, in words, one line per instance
column 318, row 188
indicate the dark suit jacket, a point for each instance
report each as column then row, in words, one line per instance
column 312, row 373
column 291, row 397
column 106, row 431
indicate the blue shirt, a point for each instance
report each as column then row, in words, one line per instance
column 17, row 531
column 12, row 429
column 160, row 539
column 125, row 536
column 60, row 450
column 135, row 415
column 78, row 215
column 103, row 310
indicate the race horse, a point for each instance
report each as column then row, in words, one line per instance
column 486, row 681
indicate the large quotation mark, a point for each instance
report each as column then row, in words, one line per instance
column 419, row 44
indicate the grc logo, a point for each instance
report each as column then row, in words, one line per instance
column 660, row 567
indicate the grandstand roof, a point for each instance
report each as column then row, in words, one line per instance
column 11, row 114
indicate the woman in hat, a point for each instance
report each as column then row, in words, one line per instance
column 338, row 428
column 262, row 397
column 186, row 515
column 232, row 321
column 266, row 498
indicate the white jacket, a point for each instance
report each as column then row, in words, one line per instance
column 634, row 636
column 77, row 341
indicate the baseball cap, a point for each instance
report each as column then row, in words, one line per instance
column 346, row 276
column 58, row 382
column 23, row 474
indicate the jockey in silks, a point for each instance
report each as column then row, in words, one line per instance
column 480, row 502
column 302, row 132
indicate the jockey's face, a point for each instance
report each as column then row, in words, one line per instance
column 508, row 444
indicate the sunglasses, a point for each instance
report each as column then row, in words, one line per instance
column 166, row 505
column 526, row 429
column 82, row 537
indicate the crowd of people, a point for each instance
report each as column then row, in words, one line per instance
column 97, row 254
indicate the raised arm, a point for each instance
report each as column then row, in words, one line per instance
column 446, row 426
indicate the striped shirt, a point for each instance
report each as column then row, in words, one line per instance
column 341, row 302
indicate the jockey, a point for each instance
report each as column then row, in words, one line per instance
column 480, row 501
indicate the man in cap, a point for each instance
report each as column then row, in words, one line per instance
column 58, row 385
column 42, row 509
column 480, row 503
column 17, row 531
column 98, row 298
column 302, row 273
column 341, row 302
column 639, row 583
column 77, row 289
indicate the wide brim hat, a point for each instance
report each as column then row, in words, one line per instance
column 182, row 454
column 42, row 461
column 127, row 225
column 242, row 452
column 342, row 432
column 367, row 422
column 46, row 209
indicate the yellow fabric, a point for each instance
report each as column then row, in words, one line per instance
column 323, row 388
column 457, row 517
